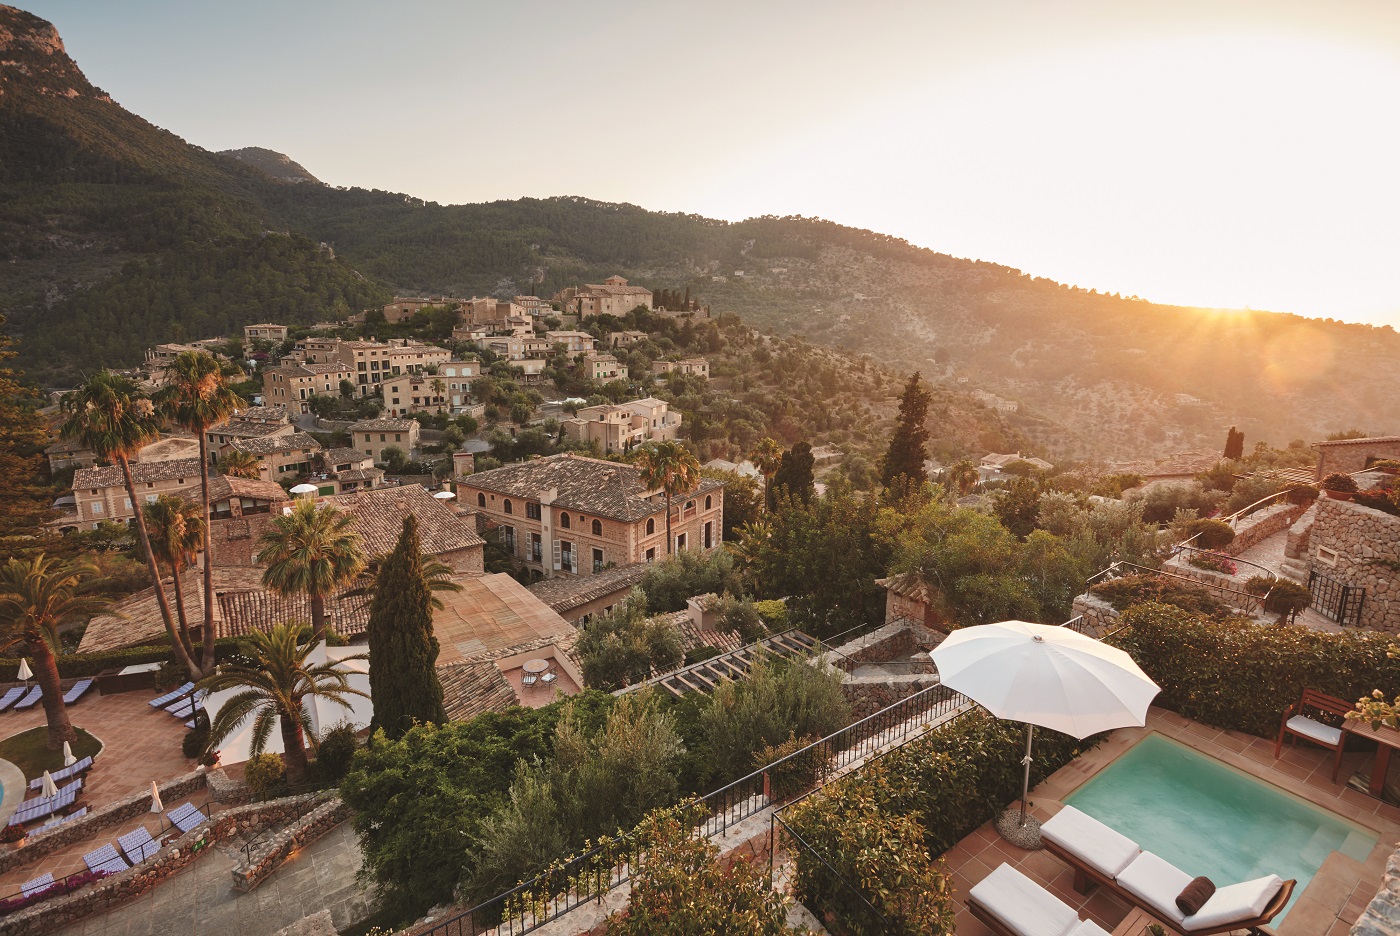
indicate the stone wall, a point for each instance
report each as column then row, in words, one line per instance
column 1300, row 534
column 1100, row 617
column 1352, row 455
column 270, row 855
column 112, row 814
column 177, row 854
column 1263, row 524
column 871, row 694
column 1382, row 914
column 1360, row 537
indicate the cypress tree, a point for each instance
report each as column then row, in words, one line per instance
column 402, row 649
column 795, row 477
column 1234, row 444
column 906, row 454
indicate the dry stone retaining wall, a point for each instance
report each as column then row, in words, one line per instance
column 1263, row 524
column 112, row 891
column 269, row 856
column 112, row 814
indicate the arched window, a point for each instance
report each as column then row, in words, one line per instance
column 709, row 502
column 651, row 526
column 564, row 521
column 597, row 528
column 508, row 509
column 481, row 500
column 690, row 505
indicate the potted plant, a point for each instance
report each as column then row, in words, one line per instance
column 1339, row 486
column 14, row 835
column 1387, row 465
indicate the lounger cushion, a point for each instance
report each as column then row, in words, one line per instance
column 1089, row 840
column 1023, row 905
column 1243, row 901
column 1156, row 882
column 1323, row 734
column 1088, row 928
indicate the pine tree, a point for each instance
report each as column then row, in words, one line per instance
column 402, row 649
column 907, row 452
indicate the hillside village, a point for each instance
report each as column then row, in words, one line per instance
column 576, row 602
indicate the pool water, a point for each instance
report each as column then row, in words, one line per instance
column 1208, row 818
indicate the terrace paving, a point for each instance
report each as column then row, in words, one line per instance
column 1329, row 905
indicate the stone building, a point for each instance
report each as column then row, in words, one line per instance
column 100, row 493
column 622, row 427
column 576, row 515
column 447, row 391
column 292, row 386
column 613, row 296
column 697, row 367
column 604, row 368
column 256, row 422
column 264, row 332
column 1352, row 455
column 574, row 342
column 290, row 454
column 373, row 436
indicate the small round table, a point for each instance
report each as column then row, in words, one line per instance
column 535, row 667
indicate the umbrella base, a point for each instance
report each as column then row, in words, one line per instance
column 1009, row 827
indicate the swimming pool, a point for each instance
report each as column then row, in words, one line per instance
column 1208, row 818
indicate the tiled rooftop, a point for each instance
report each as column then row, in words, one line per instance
column 222, row 487
column 608, row 489
column 267, row 445
column 493, row 614
column 564, row 593
column 379, row 513
column 141, row 472
column 382, row 425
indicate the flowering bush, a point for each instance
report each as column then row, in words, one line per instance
column 1213, row 562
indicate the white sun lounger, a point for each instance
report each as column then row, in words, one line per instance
column 10, row 697
column 76, row 691
column 46, row 806
column 30, row 699
column 171, row 696
column 30, row 888
column 57, row 821
column 1012, row 904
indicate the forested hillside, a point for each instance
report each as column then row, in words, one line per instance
column 114, row 232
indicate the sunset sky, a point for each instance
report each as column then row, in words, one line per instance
column 1205, row 153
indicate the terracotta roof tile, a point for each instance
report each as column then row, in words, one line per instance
column 564, row 593
column 471, row 689
column 378, row 519
column 383, row 425
column 493, row 614
column 222, row 487
column 267, row 445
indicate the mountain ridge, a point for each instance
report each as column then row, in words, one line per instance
column 117, row 233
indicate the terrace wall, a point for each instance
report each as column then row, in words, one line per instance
column 1364, row 541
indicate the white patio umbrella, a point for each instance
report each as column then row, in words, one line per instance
column 305, row 489
column 157, row 806
column 68, row 759
column 444, row 495
column 25, row 673
column 1048, row 676
column 49, row 788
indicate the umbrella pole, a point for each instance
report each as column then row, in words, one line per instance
column 1026, row 781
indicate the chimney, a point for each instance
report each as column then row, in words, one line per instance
column 463, row 464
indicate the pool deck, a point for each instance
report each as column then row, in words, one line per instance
column 1328, row 906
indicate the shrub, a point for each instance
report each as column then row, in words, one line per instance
column 1241, row 675
column 1379, row 499
column 1337, row 481
column 1129, row 590
column 738, row 615
column 1210, row 533
column 1386, row 464
column 1213, row 562
column 170, row 675
column 682, row 888
column 774, row 614
column 79, row 665
column 670, row 583
column 882, row 823
column 196, row 741
column 793, row 775
column 334, row 754
column 264, row 773
column 1302, row 494
column 701, row 653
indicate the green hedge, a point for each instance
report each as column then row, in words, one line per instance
column 950, row 782
column 1128, row 590
column 1242, row 675
column 78, row 665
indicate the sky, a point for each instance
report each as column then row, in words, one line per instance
column 1223, row 153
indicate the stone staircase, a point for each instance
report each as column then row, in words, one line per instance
column 1295, row 552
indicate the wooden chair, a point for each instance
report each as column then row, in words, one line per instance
column 1297, row 723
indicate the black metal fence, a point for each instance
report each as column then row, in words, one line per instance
column 1340, row 602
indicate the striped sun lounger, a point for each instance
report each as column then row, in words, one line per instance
column 138, row 845
column 187, row 707
column 30, row 699
column 57, row 821
column 105, row 859
column 43, row 807
column 171, row 696
column 61, row 775
column 10, row 697
column 186, row 817
column 76, row 691
column 30, row 888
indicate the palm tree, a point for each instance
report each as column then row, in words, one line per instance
column 311, row 551
column 177, row 533
column 962, row 477
column 36, row 596
column 240, row 464
column 766, row 456
column 439, row 387
column 113, row 417
column 196, row 396
column 669, row 467
column 275, row 686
